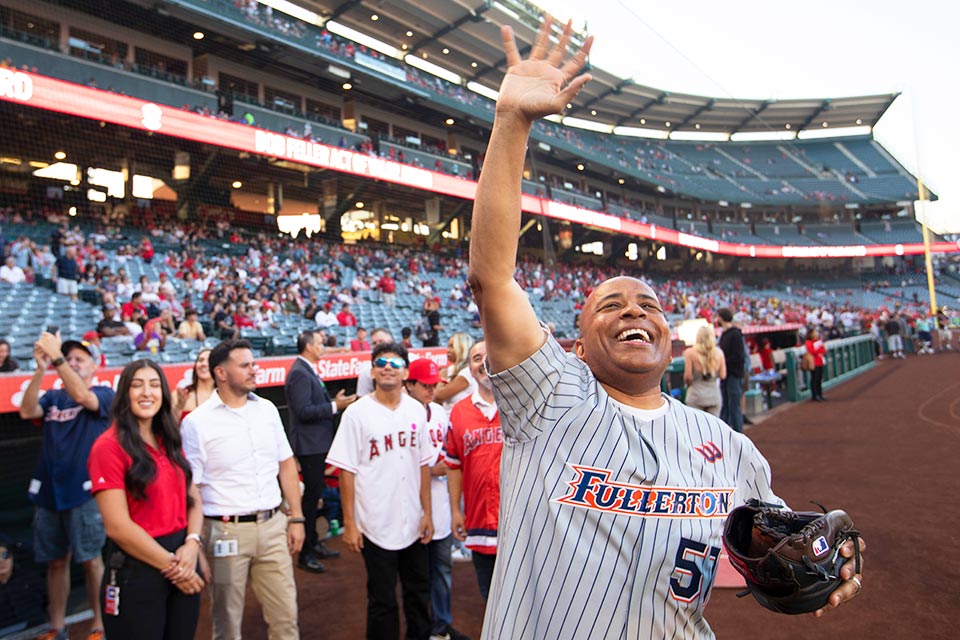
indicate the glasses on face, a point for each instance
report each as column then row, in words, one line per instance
column 396, row 363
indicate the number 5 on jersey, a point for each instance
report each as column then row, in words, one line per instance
column 686, row 581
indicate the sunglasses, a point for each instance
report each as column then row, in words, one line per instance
column 396, row 363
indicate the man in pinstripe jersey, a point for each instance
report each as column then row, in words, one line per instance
column 613, row 496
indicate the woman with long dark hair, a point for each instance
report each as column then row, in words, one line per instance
column 151, row 512
column 200, row 388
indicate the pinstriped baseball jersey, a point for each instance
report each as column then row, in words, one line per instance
column 610, row 524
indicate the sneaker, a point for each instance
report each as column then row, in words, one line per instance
column 54, row 634
column 456, row 635
column 461, row 554
column 96, row 634
column 449, row 634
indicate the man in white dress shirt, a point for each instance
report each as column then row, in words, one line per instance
column 237, row 448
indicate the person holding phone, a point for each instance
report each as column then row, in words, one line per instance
column 67, row 525
column 151, row 512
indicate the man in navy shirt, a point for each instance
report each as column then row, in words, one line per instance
column 67, row 523
column 68, row 273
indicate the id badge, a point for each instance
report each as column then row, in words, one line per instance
column 111, row 600
column 226, row 548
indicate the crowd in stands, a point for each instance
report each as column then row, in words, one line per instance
column 199, row 293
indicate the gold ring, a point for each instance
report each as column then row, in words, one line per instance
column 859, row 584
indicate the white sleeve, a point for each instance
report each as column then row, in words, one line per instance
column 522, row 391
column 364, row 381
column 193, row 449
column 345, row 450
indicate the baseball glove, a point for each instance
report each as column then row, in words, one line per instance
column 791, row 560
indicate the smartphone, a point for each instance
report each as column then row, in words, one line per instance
column 53, row 329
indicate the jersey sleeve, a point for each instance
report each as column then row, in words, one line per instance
column 107, row 464
column 345, row 449
column 105, row 400
column 452, row 451
column 522, row 391
column 758, row 479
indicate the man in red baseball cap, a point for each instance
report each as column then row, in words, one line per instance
column 421, row 384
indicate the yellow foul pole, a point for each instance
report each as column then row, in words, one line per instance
column 921, row 202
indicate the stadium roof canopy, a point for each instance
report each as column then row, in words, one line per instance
column 469, row 32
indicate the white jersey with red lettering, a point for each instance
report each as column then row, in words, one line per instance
column 611, row 517
column 437, row 426
column 385, row 449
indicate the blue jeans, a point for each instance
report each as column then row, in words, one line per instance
column 732, row 389
column 441, row 565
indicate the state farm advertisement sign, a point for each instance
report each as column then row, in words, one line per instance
column 272, row 372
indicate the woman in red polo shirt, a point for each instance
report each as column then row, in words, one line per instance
column 151, row 512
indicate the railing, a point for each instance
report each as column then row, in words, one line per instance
column 845, row 358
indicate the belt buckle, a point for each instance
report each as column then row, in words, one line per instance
column 263, row 516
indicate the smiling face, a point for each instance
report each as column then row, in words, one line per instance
column 146, row 394
column 624, row 336
column 388, row 377
column 203, row 365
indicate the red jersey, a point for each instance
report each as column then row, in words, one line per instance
column 474, row 445
column 164, row 511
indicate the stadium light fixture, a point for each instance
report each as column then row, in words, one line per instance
column 580, row 167
column 620, row 180
column 448, row 122
column 811, row 134
column 589, row 125
column 762, row 136
column 593, row 112
column 358, row 205
column 639, row 132
column 374, row 17
column 339, row 72
column 198, row 35
column 483, row 90
column 283, row 6
column 347, row 86
column 433, row 69
column 60, row 155
column 236, row 184
column 361, row 38
column 474, row 65
column 859, row 121
column 409, row 34
column 643, row 121
column 661, row 188
column 704, row 136
column 445, row 51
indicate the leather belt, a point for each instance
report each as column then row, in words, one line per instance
column 259, row 516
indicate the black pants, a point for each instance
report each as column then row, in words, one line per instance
column 383, row 566
column 483, row 565
column 816, row 382
column 311, row 466
column 151, row 607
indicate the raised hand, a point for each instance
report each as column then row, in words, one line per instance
column 543, row 84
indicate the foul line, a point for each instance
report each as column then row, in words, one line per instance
column 920, row 409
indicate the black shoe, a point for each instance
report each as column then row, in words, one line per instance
column 311, row 564
column 324, row 553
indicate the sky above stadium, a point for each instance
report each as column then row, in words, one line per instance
column 815, row 49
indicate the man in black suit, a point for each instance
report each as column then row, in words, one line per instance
column 310, row 432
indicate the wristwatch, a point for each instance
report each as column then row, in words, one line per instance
column 296, row 520
column 59, row 361
column 195, row 536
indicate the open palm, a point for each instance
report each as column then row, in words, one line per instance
column 543, row 84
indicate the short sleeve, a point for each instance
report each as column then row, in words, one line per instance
column 107, row 464
column 193, row 447
column 105, row 397
column 760, row 480
column 345, row 449
column 522, row 390
column 452, row 452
